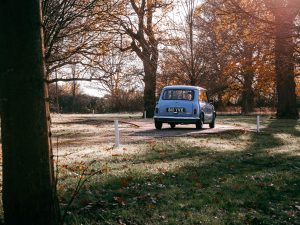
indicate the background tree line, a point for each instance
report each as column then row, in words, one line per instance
column 63, row 101
column 243, row 52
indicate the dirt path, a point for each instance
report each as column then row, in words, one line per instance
column 86, row 131
column 146, row 130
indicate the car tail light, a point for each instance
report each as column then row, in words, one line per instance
column 195, row 111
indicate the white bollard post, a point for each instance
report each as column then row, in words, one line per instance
column 257, row 124
column 117, row 134
column 145, row 115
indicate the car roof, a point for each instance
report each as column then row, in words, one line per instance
column 184, row 87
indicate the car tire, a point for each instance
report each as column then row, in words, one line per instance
column 173, row 125
column 212, row 124
column 158, row 125
column 199, row 123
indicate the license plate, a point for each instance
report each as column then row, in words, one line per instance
column 175, row 110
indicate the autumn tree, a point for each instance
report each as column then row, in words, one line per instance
column 185, row 52
column 78, row 41
column 73, row 32
column 77, row 34
column 216, row 51
column 138, row 22
column 247, row 52
column 118, row 75
column 232, row 54
column 29, row 194
column 285, row 13
column 283, row 31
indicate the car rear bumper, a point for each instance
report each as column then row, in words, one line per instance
column 173, row 119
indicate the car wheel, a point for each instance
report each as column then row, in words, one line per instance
column 158, row 124
column 212, row 124
column 199, row 123
column 173, row 125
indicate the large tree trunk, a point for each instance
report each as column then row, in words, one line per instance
column 248, row 75
column 193, row 81
column 247, row 100
column 284, row 65
column 150, row 88
column 29, row 194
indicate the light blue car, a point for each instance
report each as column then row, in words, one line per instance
column 184, row 105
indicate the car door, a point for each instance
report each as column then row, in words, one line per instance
column 210, row 109
column 205, row 106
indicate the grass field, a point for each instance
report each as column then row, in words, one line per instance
column 238, row 177
column 235, row 177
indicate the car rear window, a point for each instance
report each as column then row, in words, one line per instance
column 178, row 94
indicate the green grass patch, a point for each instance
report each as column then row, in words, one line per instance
column 229, row 178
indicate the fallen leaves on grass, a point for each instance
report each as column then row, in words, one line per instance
column 119, row 200
column 232, row 167
column 105, row 169
column 236, row 187
column 151, row 206
column 125, row 181
column 198, row 185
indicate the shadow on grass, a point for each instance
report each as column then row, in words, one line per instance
column 251, row 186
column 284, row 126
